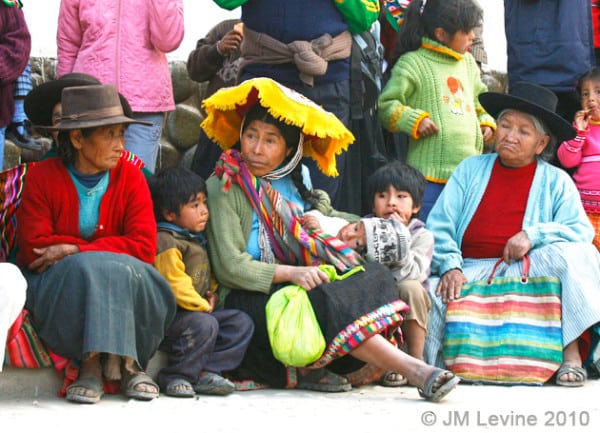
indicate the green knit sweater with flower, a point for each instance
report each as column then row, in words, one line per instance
column 436, row 82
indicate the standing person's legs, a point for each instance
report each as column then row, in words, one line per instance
column 333, row 97
column 18, row 131
column 2, row 132
column 432, row 192
column 144, row 141
column 13, row 288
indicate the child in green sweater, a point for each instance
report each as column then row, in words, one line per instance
column 433, row 91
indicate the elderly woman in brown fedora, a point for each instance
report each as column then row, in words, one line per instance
column 511, row 203
column 44, row 109
column 86, row 241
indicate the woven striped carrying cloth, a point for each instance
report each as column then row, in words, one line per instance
column 505, row 330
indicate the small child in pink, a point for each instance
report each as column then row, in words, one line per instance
column 583, row 152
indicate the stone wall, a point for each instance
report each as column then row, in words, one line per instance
column 182, row 126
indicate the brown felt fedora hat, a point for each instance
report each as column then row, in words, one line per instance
column 532, row 99
column 40, row 102
column 91, row 106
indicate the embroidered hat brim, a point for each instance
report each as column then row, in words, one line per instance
column 325, row 136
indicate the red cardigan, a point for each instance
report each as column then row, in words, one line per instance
column 49, row 213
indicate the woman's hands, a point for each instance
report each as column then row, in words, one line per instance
column 516, row 247
column 450, row 285
column 307, row 277
column 50, row 255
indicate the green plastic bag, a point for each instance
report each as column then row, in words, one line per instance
column 294, row 332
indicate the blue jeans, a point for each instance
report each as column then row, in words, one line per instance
column 144, row 141
column 432, row 192
column 198, row 342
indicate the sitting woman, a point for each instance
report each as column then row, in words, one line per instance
column 87, row 241
column 257, row 244
column 511, row 203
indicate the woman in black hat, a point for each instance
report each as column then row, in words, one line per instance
column 86, row 243
column 511, row 203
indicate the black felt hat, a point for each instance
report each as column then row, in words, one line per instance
column 40, row 102
column 531, row 99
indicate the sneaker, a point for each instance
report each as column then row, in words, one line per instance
column 22, row 140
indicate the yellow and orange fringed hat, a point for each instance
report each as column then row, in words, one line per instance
column 325, row 136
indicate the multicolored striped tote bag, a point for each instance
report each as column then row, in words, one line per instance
column 505, row 330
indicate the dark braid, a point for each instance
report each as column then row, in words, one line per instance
column 307, row 195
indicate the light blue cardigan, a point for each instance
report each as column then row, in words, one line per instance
column 554, row 211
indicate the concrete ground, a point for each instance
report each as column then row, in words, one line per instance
column 31, row 405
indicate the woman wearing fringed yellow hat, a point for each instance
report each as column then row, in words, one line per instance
column 257, row 244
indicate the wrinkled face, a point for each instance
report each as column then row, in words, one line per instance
column 518, row 142
column 394, row 204
column 590, row 98
column 193, row 215
column 101, row 150
column 354, row 236
column 263, row 147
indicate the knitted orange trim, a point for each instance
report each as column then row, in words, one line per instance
column 443, row 50
column 415, row 132
column 436, row 180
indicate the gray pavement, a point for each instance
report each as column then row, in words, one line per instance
column 469, row 408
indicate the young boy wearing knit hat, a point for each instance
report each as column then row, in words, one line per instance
column 394, row 236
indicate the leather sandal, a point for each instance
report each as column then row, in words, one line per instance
column 443, row 389
column 332, row 382
column 94, row 386
column 579, row 372
column 131, row 381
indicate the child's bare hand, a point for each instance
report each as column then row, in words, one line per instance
column 230, row 42
column 488, row 133
column 396, row 216
column 212, row 299
column 582, row 120
column 310, row 222
column 427, row 127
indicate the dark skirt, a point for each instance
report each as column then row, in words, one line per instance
column 101, row 302
column 348, row 311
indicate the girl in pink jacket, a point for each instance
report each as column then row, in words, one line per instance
column 124, row 43
column 583, row 152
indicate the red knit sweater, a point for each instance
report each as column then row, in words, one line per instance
column 49, row 213
column 500, row 213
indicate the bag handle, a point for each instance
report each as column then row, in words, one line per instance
column 524, row 276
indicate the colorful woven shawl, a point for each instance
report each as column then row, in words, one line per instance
column 290, row 242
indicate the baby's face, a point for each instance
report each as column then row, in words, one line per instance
column 354, row 236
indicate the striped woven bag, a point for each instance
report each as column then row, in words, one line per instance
column 505, row 330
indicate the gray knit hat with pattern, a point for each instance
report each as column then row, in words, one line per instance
column 387, row 240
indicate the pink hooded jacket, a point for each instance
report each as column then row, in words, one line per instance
column 123, row 42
